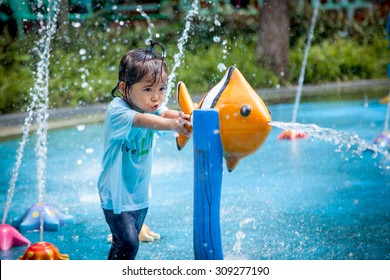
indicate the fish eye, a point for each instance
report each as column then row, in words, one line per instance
column 245, row 110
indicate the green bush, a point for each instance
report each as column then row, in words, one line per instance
column 16, row 79
column 340, row 59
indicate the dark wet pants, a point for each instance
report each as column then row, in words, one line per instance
column 125, row 228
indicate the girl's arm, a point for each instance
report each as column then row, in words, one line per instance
column 155, row 122
column 171, row 114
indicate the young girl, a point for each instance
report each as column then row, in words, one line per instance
column 130, row 124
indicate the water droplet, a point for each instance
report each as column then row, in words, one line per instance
column 217, row 39
column 221, row 67
column 81, row 127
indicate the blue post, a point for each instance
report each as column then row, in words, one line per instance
column 207, row 185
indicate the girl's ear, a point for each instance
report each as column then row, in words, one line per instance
column 122, row 87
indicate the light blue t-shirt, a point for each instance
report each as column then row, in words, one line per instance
column 124, row 181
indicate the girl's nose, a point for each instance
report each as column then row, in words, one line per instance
column 155, row 96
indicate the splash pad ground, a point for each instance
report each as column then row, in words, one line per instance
column 290, row 200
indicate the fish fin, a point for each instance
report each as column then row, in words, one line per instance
column 181, row 141
column 187, row 106
column 231, row 163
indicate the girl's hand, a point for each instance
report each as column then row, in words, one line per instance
column 183, row 116
column 182, row 124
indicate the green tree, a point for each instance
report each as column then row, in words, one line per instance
column 274, row 41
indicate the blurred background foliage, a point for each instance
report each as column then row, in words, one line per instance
column 84, row 61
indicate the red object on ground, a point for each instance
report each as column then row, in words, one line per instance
column 291, row 135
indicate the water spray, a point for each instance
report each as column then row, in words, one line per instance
column 180, row 45
column 291, row 134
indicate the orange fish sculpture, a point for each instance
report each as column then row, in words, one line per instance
column 244, row 120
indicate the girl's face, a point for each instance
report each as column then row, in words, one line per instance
column 145, row 97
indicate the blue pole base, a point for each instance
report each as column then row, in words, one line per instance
column 207, row 185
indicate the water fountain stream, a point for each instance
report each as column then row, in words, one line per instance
column 180, row 45
column 38, row 109
column 38, row 106
column 291, row 134
column 343, row 140
column 149, row 22
column 303, row 68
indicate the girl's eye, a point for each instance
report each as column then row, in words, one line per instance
column 163, row 89
column 148, row 89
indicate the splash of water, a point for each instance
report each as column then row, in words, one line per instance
column 180, row 45
column 38, row 106
column 150, row 24
column 343, row 140
column 240, row 234
column 302, row 74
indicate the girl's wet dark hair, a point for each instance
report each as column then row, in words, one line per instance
column 138, row 63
